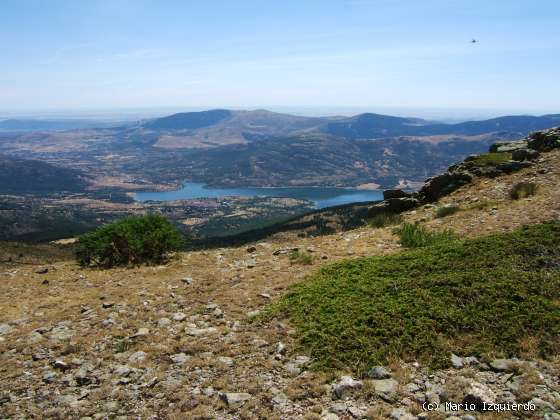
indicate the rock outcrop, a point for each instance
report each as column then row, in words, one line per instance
column 523, row 153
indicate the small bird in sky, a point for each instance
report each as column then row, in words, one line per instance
column 474, row 41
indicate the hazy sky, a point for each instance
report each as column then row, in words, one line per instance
column 360, row 53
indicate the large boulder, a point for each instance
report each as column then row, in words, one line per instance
column 442, row 185
column 512, row 166
column 479, row 395
column 486, row 171
column 397, row 193
column 524, row 154
column 393, row 206
column 545, row 141
column 345, row 386
column 508, row 146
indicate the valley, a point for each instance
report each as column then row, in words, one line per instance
column 66, row 170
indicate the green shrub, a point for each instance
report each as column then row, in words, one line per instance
column 475, row 297
column 414, row 235
column 523, row 190
column 385, row 219
column 134, row 240
column 447, row 210
column 301, row 257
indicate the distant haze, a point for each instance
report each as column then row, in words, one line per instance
column 140, row 58
column 135, row 114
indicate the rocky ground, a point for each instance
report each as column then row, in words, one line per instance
column 177, row 341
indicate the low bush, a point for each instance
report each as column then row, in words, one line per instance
column 134, row 240
column 474, row 297
column 414, row 235
column 447, row 210
column 385, row 219
column 523, row 190
column 301, row 257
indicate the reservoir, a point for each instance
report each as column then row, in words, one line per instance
column 321, row 196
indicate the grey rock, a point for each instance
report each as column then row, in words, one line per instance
column 514, row 384
column 507, row 146
column 35, row 337
column 432, row 397
column 179, row 358
column 208, row 391
column 228, row 361
column 280, row 348
column 61, row 333
column 386, row 388
column 545, row 141
column 292, row 369
column 112, row 406
column 259, row 342
column 456, row 361
column 59, row 364
column 142, row 332
column 401, row 414
column 504, row 365
column 524, row 154
column 478, row 394
column 512, row 166
column 40, row 355
column 81, row 377
column 179, row 316
column 396, row 193
column 163, row 322
column 444, row 184
column 197, row 332
column 470, row 361
column 187, row 280
column 5, row 329
column 541, row 404
column 49, row 377
column 338, row 408
column 137, row 357
column 345, row 386
column 70, row 400
column 122, row 370
column 280, row 399
column 378, row 372
column 355, row 412
column 393, row 206
column 235, row 399
column 412, row 387
column 302, row 360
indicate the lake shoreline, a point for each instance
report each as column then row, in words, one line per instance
column 321, row 196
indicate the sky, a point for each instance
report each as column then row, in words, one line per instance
column 302, row 54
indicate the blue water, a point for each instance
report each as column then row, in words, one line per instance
column 321, row 196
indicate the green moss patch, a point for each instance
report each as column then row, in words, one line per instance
column 471, row 297
column 490, row 159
